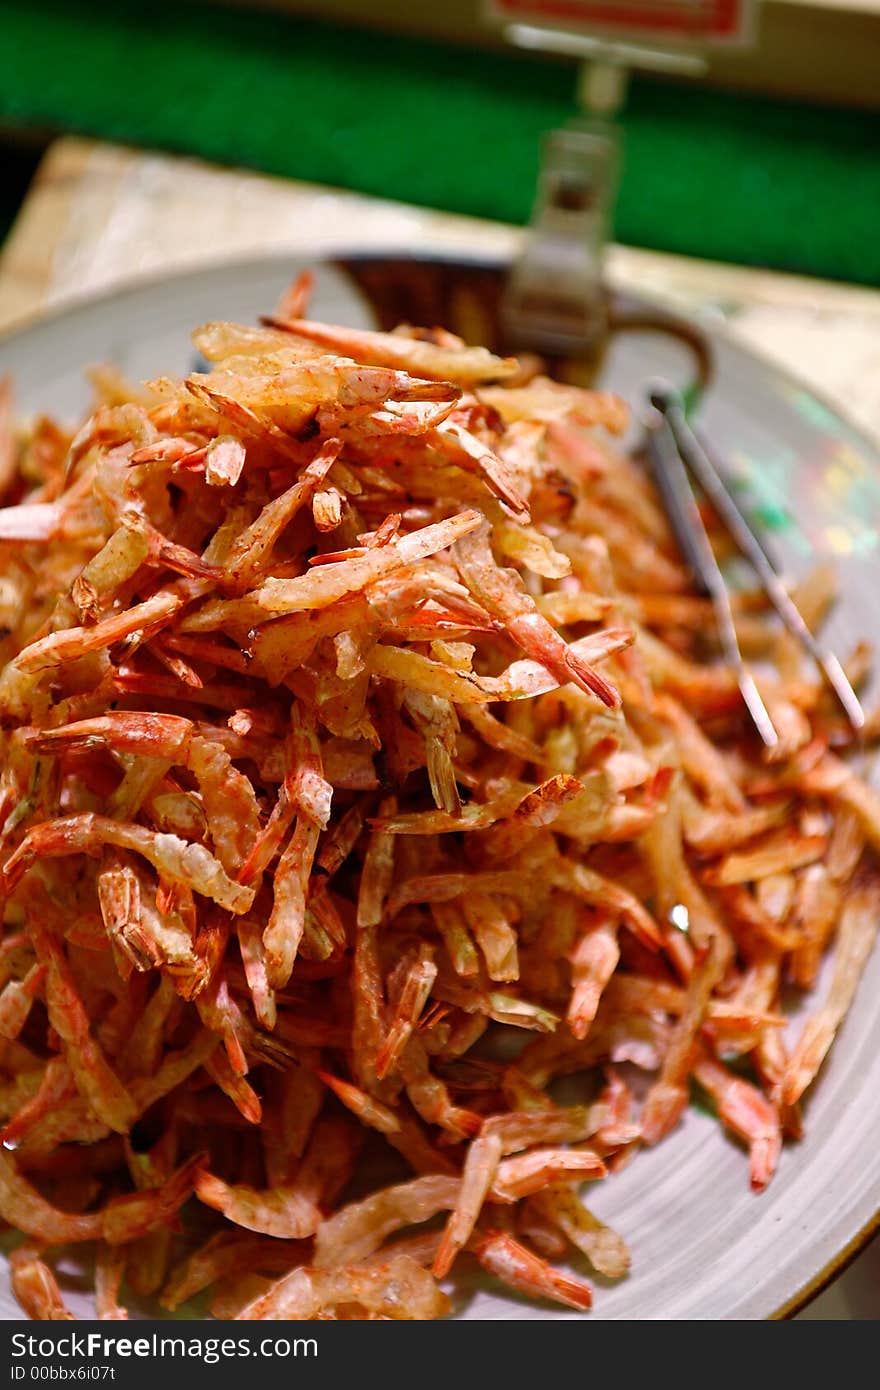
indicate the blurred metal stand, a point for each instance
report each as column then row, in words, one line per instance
column 554, row 301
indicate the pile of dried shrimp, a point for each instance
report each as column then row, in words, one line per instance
column 358, row 717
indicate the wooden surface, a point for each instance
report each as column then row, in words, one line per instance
column 100, row 215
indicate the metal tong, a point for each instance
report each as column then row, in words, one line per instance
column 675, row 453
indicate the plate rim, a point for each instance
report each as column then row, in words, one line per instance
column 142, row 283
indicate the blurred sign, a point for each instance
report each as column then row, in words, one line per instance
column 704, row 22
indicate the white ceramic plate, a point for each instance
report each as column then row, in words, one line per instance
column 703, row 1245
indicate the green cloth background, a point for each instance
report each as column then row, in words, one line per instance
column 711, row 174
